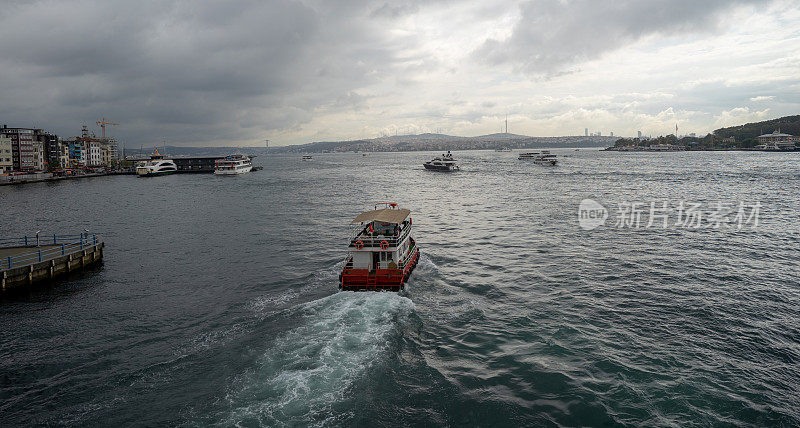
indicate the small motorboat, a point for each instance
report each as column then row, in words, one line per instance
column 307, row 157
column 381, row 251
column 443, row 163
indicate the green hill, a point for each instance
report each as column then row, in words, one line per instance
column 746, row 134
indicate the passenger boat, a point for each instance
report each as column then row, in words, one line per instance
column 157, row 165
column 381, row 251
column 307, row 157
column 543, row 158
column 233, row 165
column 444, row 163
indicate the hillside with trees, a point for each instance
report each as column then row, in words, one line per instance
column 746, row 134
column 735, row 137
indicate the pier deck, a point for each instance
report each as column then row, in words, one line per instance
column 23, row 263
column 7, row 252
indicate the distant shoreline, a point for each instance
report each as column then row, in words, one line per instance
column 731, row 149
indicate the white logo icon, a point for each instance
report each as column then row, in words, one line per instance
column 591, row 214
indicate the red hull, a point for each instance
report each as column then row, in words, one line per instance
column 382, row 279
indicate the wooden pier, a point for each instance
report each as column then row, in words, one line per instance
column 32, row 259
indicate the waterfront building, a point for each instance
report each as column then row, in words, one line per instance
column 63, row 157
column 38, row 155
column 105, row 155
column 77, row 153
column 113, row 148
column 21, row 147
column 6, row 164
column 51, row 145
column 94, row 155
column 586, row 132
column 777, row 141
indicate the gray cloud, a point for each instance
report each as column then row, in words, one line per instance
column 553, row 35
column 203, row 72
column 190, row 71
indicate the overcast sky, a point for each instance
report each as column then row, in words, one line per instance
column 236, row 73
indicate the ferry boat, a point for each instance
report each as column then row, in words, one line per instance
column 543, row 158
column 157, row 165
column 381, row 251
column 233, row 165
column 444, row 163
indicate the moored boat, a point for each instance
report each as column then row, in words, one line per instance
column 233, row 165
column 381, row 251
column 157, row 165
column 444, row 163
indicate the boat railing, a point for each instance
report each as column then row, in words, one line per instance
column 375, row 239
column 59, row 245
column 407, row 257
column 348, row 261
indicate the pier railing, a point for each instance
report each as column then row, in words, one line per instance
column 56, row 246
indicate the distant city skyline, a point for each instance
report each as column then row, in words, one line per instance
column 214, row 74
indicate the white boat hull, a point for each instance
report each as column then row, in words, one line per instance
column 237, row 171
column 157, row 167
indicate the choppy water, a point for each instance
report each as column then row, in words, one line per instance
column 217, row 301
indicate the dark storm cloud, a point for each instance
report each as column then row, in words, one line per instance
column 185, row 71
column 553, row 35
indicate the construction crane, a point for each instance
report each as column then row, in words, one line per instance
column 102, row 122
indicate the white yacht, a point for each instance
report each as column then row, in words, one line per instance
column 157, row 165
column 233, row 165
column 444, row 163
column 543, row 158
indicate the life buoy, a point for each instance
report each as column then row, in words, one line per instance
column 359, row 245
column 384, row 245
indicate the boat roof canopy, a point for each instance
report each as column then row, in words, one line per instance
column 386, row 215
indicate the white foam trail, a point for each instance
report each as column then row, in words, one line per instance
column 426, row 264
column 312, row 366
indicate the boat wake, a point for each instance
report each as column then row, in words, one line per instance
column 271, row 304
column 312, row 367
column 426, row 265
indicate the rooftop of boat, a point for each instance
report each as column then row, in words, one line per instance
column 384, row 215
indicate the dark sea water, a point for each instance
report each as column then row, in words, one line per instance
column 217, row 301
